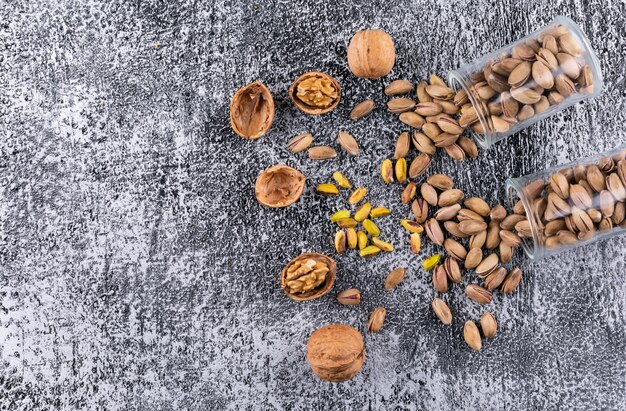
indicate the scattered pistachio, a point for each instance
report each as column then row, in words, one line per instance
column 383, row 245
column 369, row 251
column 351, row 296
column 386, row 171
column 377, row 319
column 394, row 278
column 361, row 239
column 472, row 335
column 416, row 243
column 379, row 212
column 341, row 180
column 363, row 211
column 362, row 109
column 351, row 237
column 327, row 189
column 357, row 195
column 431, row 262
column 338, row 215
column 400, row 169
column 488, row 325
column 300, row 142
column 340, row 241
column 371, row 228
column 322, row 153
column 442, row 311
column 347, row 222
column 348, row 143
column 412, row 226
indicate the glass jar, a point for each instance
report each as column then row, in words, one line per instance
column 526, row 81
column 570, row 205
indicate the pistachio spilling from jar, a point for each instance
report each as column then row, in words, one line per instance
column 575, row 204
column 534, row 76
column 435, row 118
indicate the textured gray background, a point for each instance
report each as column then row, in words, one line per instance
column 137, row 271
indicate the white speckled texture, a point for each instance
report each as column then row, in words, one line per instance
column 137, row 271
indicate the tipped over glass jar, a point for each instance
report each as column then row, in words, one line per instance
column 570, row 205
column 524, row 82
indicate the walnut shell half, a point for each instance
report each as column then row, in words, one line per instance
column 335, row 352
column 315, row 92
column 308, row 276
column 252, row 110
column 279, row 186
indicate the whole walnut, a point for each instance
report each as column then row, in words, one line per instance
column 371, row 54
column 335, row 352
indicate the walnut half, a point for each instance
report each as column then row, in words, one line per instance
column 308, row 276
column 315, row 92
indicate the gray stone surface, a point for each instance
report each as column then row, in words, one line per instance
column 137, row 271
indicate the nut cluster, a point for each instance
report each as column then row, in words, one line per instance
column 575, row 204
column 474, row 235
column 538, row 73
column 481, row 227
column 348, row 237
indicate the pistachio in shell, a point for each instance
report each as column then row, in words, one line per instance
column 252, row 110
column 371, row 54
column 320, row 290
column 279, row 186
column 315, row 92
